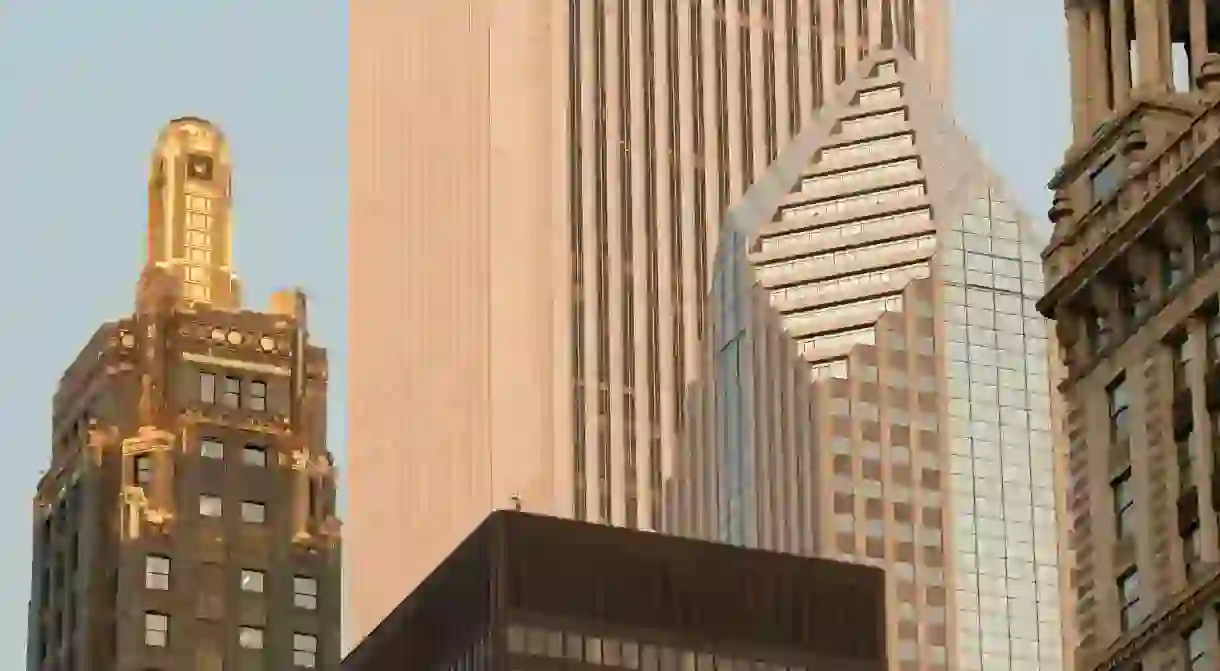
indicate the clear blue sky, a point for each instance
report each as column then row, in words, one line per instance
column 85, row 85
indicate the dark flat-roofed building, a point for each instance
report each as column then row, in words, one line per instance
column 527, row 592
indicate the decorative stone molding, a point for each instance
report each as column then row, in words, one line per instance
column 1208, row 78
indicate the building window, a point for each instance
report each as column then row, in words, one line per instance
column 1124, row 504
column 1128, row 599
column 305, row 593
column 250, row 638
column 210, row 506
column 142, row 469
column 207, row 387
column 252, row 581
column 1213, row 337
column 1195, row 640
column 1180, row 352
column 253, row 513
column 254, row 455
column 1185, row 463
column 1106, row 179
column 258, row 395
column 156, row 572
column 304, row 650
column 1120, row 404
column 1191, row 552
column 232, row 392
column 212, row 449
column 156, row 630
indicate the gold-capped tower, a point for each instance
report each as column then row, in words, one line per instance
column 190, row 221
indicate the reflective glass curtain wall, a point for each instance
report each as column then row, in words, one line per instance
column 1001, row 450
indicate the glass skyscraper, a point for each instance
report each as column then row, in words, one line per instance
column 879, row 388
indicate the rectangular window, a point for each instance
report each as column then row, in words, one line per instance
column 1197, row 645
column 1180, row 353
column 1106, row 179
column 1185, row 462
column 1120, row 404
column 305, row 593
column 210, row 448
column 250, row 638
column 258, row 395
column 304, row 650
column 210, row 506
column 253, row 513
column 1213, row 337
column 1191, row 554
column 232, row 392
column 207, row 387
column 252, row 581
column 1128, row 599
column 1124, row 504
column 254, row 455
column 156, row 630
column 142, row 470
column 156, row 572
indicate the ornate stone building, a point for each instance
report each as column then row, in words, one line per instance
column 1134, row 287
column 187, row 519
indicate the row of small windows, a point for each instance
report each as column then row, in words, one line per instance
column 251, row 455
column 870, row 150
column 304, row 646
column 858, row 179
column 304, row 589
column 623, row 654
column 902, row 196
column 856, row 311
column 231, row 392
column 876, row 227
column 894, row 277
column 886, row 96
column 251, row 512
column 874, row 124
column 843, row 260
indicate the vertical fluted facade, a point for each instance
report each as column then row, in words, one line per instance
column 536, row 188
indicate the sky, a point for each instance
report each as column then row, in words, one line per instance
column 86, row 85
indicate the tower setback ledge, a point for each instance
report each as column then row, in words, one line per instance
column 1131, row 170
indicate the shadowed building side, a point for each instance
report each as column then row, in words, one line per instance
column 187, row 516
column 530, row 592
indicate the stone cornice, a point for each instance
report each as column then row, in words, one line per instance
column 1169, row 620
column 1112, row 224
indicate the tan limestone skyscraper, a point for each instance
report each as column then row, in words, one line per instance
column 1133, row 284
column 536, row 188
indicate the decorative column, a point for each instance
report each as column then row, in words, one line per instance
column 1078, row 53
column 1099, row 68
column 1198, row 38
column 300, row 494
column 1149, row 49
column 1120, row 53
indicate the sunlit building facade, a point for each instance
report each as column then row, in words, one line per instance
column 536, row 190
column 920, row 436
column 186, row 518
column 1133, row 284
